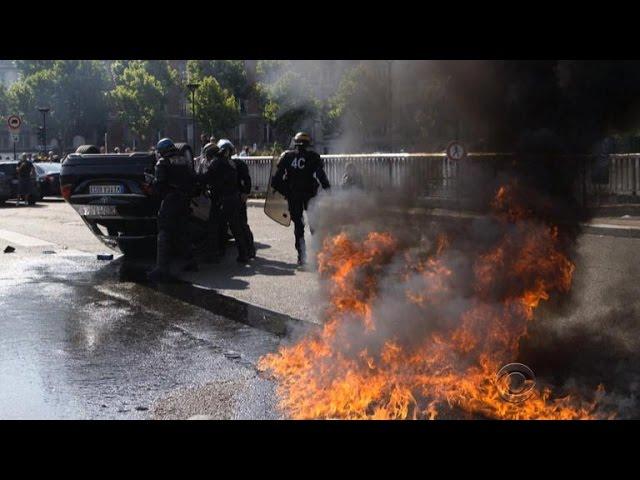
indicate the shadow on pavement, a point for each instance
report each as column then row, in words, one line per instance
column 208, row 298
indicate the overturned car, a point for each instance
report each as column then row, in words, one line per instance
column 111, row 194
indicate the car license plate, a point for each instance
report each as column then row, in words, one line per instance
column 96, row 210
column 14, row 181
column 106, row 189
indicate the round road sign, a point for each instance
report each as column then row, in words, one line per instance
column 455, row 151
column 14, row 122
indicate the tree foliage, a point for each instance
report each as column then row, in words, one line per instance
column 4, row 103
column 287, row 98
column 139, row 99
column 73, row 90
column 216, row 108
column 360, row 103
column 230, row 74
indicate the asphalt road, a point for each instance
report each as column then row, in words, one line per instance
column 84, row 338
column 81, row 339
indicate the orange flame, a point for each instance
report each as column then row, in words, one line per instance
column 348, row 371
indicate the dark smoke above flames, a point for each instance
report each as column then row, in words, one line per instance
column 528, row 241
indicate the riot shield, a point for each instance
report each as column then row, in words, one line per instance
column 275, row 206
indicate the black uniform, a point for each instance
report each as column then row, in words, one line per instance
column 244, row 185
column 222, row 177
column 298, row 177
column 174, row 182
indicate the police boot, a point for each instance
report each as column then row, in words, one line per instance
column 162, row 273
column 252, row 246
column 302, row 252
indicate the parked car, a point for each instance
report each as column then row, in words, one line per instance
column 10, row 172
column 5, row 188
column 48, row 176
column 113, row 198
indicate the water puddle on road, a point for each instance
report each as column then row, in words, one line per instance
column 83, row 339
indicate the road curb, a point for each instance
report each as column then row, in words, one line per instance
column 611, row 230
column 209, row 299
column 595, row 228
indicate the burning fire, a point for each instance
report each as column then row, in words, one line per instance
column 370, row 362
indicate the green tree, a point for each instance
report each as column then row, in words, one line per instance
column 29, row 67
column 160, row 69
column 230, row 74
column 4, row 102
column 360, row 104
column 287, row 97
column 139, row 100
column 73, row 90
column 216, row 108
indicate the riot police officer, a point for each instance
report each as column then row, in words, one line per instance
column 298, row 174
column 215, row 243
column 222, row 177
column 244, row 185
column 173, row 183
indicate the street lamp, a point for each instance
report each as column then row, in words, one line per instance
column 44, row 111
column 192, row 87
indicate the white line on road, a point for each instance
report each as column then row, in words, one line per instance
column 22, row 240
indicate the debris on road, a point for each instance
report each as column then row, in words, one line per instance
column 9, row 249
column 142, row 409
column 48, row 252
column 105, row 256
column 232, row 355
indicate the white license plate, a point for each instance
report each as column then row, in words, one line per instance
column 14, row 181
column 96, row 210
column 106, row 189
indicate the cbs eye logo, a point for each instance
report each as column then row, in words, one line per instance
column 515, row 382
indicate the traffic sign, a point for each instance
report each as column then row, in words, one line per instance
column 14, row 122
column 15, row 137
column 455, row 151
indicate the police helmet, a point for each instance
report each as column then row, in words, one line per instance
column 166, row 147
column 209, row 150
column 225, row 146
column 302, row 139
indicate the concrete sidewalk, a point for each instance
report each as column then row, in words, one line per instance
column 272, row 281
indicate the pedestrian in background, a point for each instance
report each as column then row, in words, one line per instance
column 352, row 178
column 24, row 170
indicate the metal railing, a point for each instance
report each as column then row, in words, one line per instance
column 434, row 175
column 431, row 174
